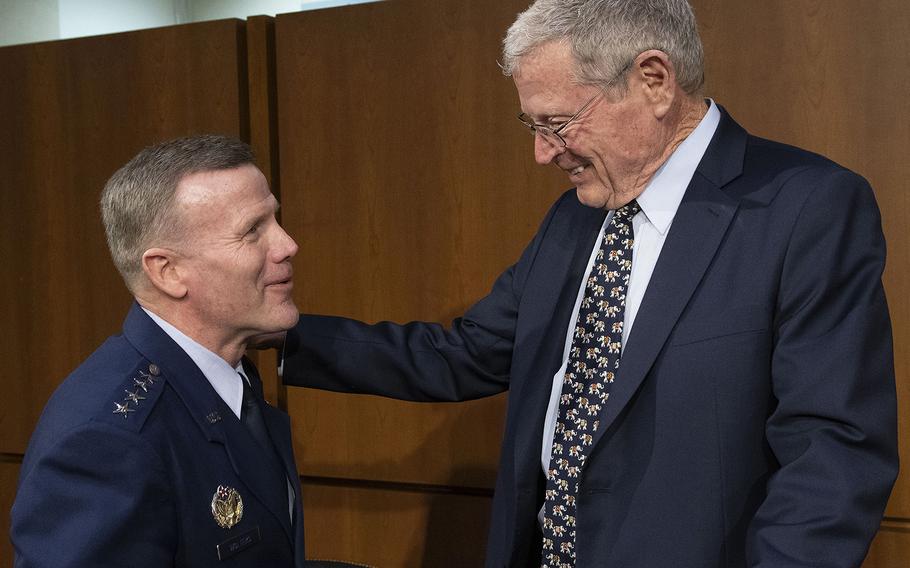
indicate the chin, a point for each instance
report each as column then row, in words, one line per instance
column 281, row 319
column 592, row 195
column 289, row 319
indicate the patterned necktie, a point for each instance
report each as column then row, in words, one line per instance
column 593, row 361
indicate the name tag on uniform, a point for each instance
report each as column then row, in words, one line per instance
column 236, row 544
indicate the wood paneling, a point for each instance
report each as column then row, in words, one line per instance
column 392, row 529
column 891, row 547
column 830, row 76
column 9, row 475
column 410, row 186
column 73, row 112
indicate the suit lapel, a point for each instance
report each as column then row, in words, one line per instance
column 563, row 262
column 698, row 229
column 217, row 422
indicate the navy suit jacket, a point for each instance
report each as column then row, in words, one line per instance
column 753, row 418
column 105, row 489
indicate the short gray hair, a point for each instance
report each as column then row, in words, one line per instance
column 137, row 202
column 607, row 35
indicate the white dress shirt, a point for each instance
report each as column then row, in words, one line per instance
column 659, row 202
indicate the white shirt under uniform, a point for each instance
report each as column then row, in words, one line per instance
column 659, row 202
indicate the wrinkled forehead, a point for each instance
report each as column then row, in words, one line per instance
column 546, row 81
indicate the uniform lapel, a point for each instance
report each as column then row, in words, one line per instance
column 217, row 422
column 256, row 469
column 278, row 424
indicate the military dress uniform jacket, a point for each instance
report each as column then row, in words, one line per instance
column 127, row 458
column 752, row 421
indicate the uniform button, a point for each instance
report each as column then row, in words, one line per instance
column 154, row 370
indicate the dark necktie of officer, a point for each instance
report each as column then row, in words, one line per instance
column 252, row 418
column 591, row 367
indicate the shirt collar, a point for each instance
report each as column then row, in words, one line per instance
column 223, row 378
column 663, row 194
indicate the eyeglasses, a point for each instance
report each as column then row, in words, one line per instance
column 553, row 135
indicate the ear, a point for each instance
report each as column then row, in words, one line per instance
column 657, row 80
column 160, row 266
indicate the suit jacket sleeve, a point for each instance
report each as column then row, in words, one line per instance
column 97, row 497
column 833, row 430
column 416, row 361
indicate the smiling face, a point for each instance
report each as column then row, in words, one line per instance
column 612, row 148
column 235, row 260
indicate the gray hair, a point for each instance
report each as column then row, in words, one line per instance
column 137, row 202
column 607, row 35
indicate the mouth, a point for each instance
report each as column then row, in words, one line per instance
column 575, row 172
column 286, row 283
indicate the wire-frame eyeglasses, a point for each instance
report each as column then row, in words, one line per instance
column 553, row 135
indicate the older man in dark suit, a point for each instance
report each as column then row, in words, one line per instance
column 696, row 343
column 159, row 449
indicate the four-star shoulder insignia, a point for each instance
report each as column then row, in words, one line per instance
column 135, row 387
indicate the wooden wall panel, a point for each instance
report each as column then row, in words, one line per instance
column 410, row 186
column 73, row 112
column 830, row 76
column 387, row 528
column 891, row 547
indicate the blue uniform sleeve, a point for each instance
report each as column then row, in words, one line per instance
column 98, row 496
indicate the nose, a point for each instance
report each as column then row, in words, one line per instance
column 545, row 150
column 285, row 245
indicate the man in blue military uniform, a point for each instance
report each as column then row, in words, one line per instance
column 159, row 449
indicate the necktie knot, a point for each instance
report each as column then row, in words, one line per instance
column 628, row 210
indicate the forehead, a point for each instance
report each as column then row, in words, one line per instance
column 223, row 197
column 545, row 79
column 239, row 185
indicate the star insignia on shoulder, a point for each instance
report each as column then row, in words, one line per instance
column 146, row 378
column 122, row 408
column 141, row 384
column 133, row 396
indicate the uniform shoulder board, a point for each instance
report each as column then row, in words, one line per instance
column 132, row 401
